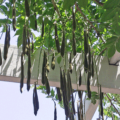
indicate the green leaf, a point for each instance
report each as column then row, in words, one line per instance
column 108, row 14
column 32, row 21
column 83, row 3
column 19, row 32
column 19, row 41
column 118, row 45
column 111, row 51
column 59, row 59
column 4, row 21
column 111, row 4
column 52, row 92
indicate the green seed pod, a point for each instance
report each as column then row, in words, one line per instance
column 35, row 21
column 0, row 57
column 74, row 44
column 56, row 40
column 42, row 29
column 80, row 78
column 27, row 9
column 88, row 86
column 73, row 106
column 53, row 62
column 22, row 74
column 63, row 45
column 29, row 67
column 70, row 64
column 14, row 16
column 58, row 94
column 85, row 43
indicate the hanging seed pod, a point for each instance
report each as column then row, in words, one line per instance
column 6, row 44
column 80, row 78
column 32, row 43
column 88, row 86
column 101, row 106
column 70, row 64
column 90, row 70
column 92, row 67
column 63, row 45
column 85, row 42
column 55, row 112
column 69, row 85
column 78, row 108
column 74, row 44
column 22, row 74
column 53, row 62
column 35, row 21
column 73, row 106
column 8, row 36
column 27, row 9
column 35, row 101
column 29, row 67
column 44, row 70
column 79, row 94
column 47, row 85
column 59, row 94
column 14, row 16
column 42, row 29
column 24, row 40
column 74, row 23
column 0, row 57
column 85, row 63
column 56, row 39
column 61, row 80
column 47, row 67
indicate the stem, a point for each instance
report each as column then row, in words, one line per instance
column 112, row 104
column 88, row 21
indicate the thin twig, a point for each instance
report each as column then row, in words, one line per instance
column 56, row 8
column 88, row 21
column 112, row 104
column 99, row 3
column 102, row 51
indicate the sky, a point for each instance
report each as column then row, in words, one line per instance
column 17, row 106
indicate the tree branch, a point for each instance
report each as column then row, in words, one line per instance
column 99, row 3
column 88, row 21
column 112, row 104
column 56, row 8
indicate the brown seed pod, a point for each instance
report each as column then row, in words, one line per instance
column 29, row 67
column 9, row 36
column 47, row 66
column 27, row 9
column 58, row 94
column 53, row 62
column 80, row 78
column 85, row 42
column 42, row 29
column 85, row 63
column 74, row 44
column 22, row 73
column 88, row 86
column 63, row 45
column 61, row 80
column 79, row 94
column 55, row 112
column 32, row 43
column 56, row 39
column 24, row 39
column 14, row 16
column 90, row 70
column 73, row 106
column 74, row 23
column 47, row 84
column 0, row 57
column 6, row 44
column 35, row 100
column 44, row 66
column 35, row 21
column 101, row 106
column 70, row 64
